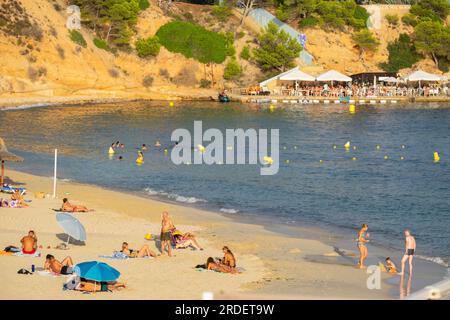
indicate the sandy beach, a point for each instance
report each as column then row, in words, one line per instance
column 276, row 266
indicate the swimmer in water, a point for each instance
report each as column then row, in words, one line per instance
column 157, row 144
column 120, row 158
column 140, row 158
column 122, row 146
column 144, row 147
column 117, row 144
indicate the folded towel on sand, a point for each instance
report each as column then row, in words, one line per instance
column 21, row 254
column 116, row 256
column 6, row 253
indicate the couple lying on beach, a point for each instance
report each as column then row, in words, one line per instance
column 68, row 207
column 17, row 201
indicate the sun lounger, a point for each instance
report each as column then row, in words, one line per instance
column 11, row 189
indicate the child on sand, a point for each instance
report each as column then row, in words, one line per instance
column 390, row 266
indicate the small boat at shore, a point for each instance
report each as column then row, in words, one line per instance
column 224, row 98
column 344, row 99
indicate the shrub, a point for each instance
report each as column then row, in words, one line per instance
column 32, row 74
column 101, row 44
column 365, row 40
column 282, row 14
column 221, row 12
column 232, row 70
column 113, row 73
column 144, row 4
column 193, row 41
column 392, row 19
column 308, row 22
column 53, row 31
column 78, row 38
column 402, row 54
column 147, row 81
column 204, row 83
column 188, row 16
column 61, row 52
column 409, row 20
column 245, row 53
column 164, row 73
column 240, row 34
column 148, row 47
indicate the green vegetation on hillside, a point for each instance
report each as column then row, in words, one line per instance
column 365, row 41
column 193, row 41
column 277, row 50
column 111, row 20
column 148, row 47
column 402, row 54
column 78, row 38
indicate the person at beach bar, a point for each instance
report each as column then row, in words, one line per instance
column 68, row 207
column 29, row 243
column 53, row 265
column 167, row 227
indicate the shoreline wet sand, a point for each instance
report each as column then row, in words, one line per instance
column 277, row 262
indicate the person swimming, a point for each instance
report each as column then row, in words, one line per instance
column 140, row 158
column 144, row 147
column 117, row 145
column 157, row 144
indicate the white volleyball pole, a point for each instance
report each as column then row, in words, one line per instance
column 54, row 175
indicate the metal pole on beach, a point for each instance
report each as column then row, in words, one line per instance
column 54, row 175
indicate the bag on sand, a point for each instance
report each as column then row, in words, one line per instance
column 72, row 283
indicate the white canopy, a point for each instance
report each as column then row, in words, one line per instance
column 422, row 76
column 389, row 79
column 296, row 75
column 333, row 75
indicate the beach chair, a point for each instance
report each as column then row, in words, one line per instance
column 10, row 189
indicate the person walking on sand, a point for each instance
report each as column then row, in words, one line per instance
column 410, row 248
column 361, row 243
column 166, row 229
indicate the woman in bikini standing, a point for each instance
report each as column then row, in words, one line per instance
column 166, row 233
column 361, row 243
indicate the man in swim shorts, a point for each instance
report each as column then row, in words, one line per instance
column 29, row 243
column 166, row 233
column 53, row 265
column 410, row 248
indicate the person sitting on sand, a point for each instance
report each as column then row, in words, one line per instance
column 93, row 286
column 29, row 243
column 185, row 240
column 17, row 196
column 68, row 207
column 218, row 267
column 390, row 266
column 167, row 227
column 228, row 259
column 53, row 265
column 361, row 242
column 143, row 252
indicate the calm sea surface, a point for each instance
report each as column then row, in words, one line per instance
column 340, row 193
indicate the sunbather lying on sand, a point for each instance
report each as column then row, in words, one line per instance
column 17, row 196
column 68, row 207
column 213, row 265
column 92, row 286
column 185, row 240
column 143, row 252
column 29, row 243
column 53, row 265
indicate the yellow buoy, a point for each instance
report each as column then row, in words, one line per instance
column 334, row 146
column 268, row 160
column 111, row 150
column 403, row 146
column 166, row 151
column 402, row 158
column 271, row 108
column 378, row 147
column 295, row 147
column 386, row 157
column 354, row 158
column 354, row 147
column 347, row 145
column 171, row 104
column 287, row 161
column 352, row 108
column 321, row 161
column 436, row 157
column 201, row 148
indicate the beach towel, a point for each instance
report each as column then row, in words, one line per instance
column 21, row 254
column 48, row 274
column 116, row 256
column 6, row 253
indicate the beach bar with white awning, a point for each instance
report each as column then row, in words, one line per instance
column 422, row 76
column 287, row 81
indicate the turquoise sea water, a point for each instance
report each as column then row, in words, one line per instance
column 338, row 193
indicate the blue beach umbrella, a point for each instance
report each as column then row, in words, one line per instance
column 96, row 271
column 71, row 226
